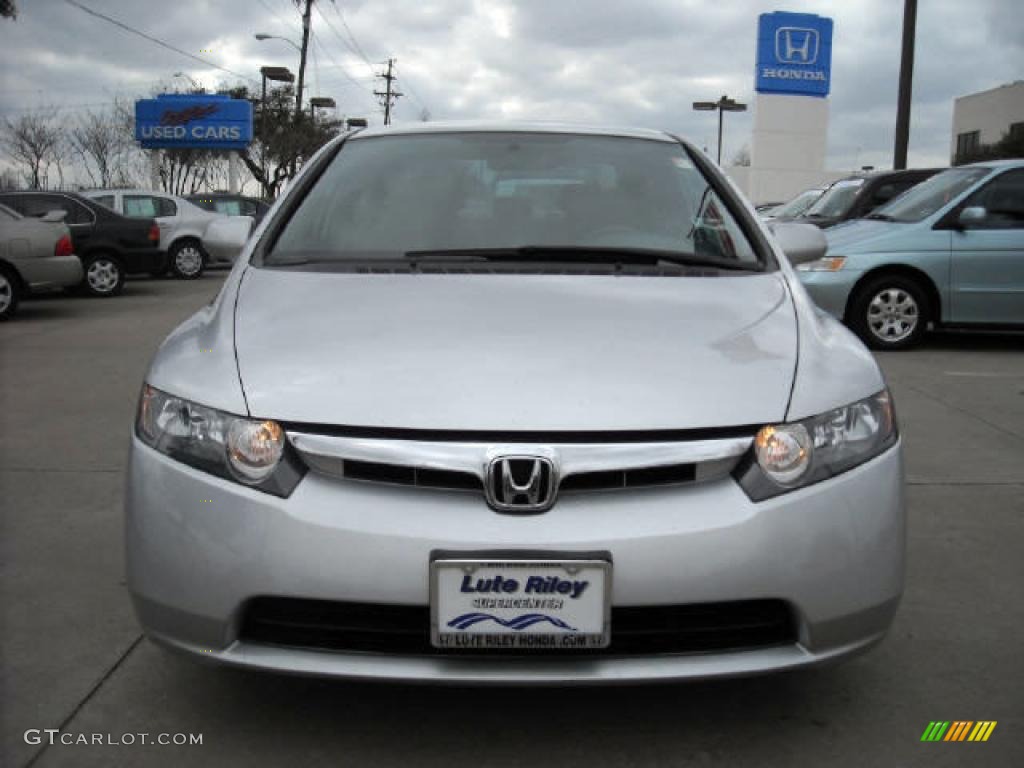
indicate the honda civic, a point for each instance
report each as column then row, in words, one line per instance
column 515, row 403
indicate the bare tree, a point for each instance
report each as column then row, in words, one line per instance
column 8, row 10
column 99, row 143
column 34, row 142
column 742, row 157
column 425, row 115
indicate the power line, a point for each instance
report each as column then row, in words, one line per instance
column 274, row 14
column 341, row 39
column 156, row 40
column 335, row 63
column 355, row 42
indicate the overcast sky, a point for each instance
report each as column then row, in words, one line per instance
column 639, row 62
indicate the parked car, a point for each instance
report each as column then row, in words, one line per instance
column 794, row 207
column 35, row 255
column 764, row 208
column 535, row 404
column 109, row 246
column 231, row 204
column 182, row 224
column 950, row 252
column 857, row 196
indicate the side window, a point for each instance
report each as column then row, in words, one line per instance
column 140, row 207
column 38, row 206
column 77, row 213
column 248, row 208
column 106, row 201
column 14, row 202
column 229, row 207
column 886, row 192
column 166, row 207
column 1003, row 201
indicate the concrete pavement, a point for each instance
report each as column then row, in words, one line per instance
column 72, row 657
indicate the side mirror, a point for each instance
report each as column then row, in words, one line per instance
column 53, row 217
column 800, row 242
column 226, row 236
column 971, row 215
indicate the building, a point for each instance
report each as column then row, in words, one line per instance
column 985, row 117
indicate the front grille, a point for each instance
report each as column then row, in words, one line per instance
column 405, row 629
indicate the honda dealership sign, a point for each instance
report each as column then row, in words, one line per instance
column 175, row 121
column 794, row 54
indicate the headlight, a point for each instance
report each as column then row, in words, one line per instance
column 794, row 455
column 827, row 264
column 247, row 451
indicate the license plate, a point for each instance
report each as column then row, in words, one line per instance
column 520, row 604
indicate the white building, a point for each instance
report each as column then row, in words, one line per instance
column 985, row 117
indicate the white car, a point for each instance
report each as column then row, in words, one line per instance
column 182, row 225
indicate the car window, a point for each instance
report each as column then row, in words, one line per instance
column 798, row 204
column 228, row 207
column 888, row 191
column 930, row 195
column 140, row 206
column 165, row 206
column 77, row 213
column 837, row 200
column 7, row 214
column 107, row 201
column 387, row 196
column 1003, row 201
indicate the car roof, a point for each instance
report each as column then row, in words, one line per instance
column 497, row 126
column 1008, row 163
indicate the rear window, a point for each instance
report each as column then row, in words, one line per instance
column 837, row 200
column 388, row 197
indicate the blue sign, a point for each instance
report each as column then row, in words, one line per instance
column 177, row 121
column 794, row 54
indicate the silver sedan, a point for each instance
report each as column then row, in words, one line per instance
column 496, row 403
column 35, row 255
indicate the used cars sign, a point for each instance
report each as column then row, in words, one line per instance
column 175, row 121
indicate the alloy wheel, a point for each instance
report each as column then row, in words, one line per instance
column 103, row 275
column 893, row 315
column 188, row 261
column 6, row 293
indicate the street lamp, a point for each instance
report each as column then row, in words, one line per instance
column 724, row 104
column 195, row 83
column 261, row 36
column 323, row 102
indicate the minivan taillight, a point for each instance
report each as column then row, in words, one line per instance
column 63, row 247
column 154, row 233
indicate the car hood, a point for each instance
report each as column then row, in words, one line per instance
column 515, row 352
column 863, row 235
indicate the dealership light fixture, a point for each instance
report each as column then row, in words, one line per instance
column 724, row 104
column 320, row 102
column 262, row 36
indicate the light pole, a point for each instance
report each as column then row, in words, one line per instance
column 278, row 74
column 261, row 36
column 195, row 83
column 320, row 102
column 724, row 104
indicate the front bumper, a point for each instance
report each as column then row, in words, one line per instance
column 41, row 274
column 830, row 290
column 199, row 547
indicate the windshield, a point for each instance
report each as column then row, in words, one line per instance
column 837, row 200
column 930, row 195
column 438, row 195
column 797, row 205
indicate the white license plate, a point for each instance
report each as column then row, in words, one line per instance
column 520, row 604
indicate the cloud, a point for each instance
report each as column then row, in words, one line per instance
column 638, row 62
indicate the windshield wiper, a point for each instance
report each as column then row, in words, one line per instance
column 582, row 254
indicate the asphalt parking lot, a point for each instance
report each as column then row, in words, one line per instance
column 73, row 658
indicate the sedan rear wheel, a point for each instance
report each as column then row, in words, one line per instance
column 103, row 276
column 9, row 294
column 187, row 260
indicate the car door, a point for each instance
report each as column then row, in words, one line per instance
column 162, row 209
column 988, row 255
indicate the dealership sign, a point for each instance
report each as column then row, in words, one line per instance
column 794, row 54
column 176, row 121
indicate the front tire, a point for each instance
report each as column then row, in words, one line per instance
column 890, row 312
column 104, row 276
column 186, row 257
column 10, row 293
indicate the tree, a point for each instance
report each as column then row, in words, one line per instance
column 425, row 115
column 742, row 158
column 98, row 141
column 283, row 139
column 35, row 142
column 8, row 10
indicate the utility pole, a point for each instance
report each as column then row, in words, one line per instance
column 899, row 161
column 389, row 95
column 302, row 57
